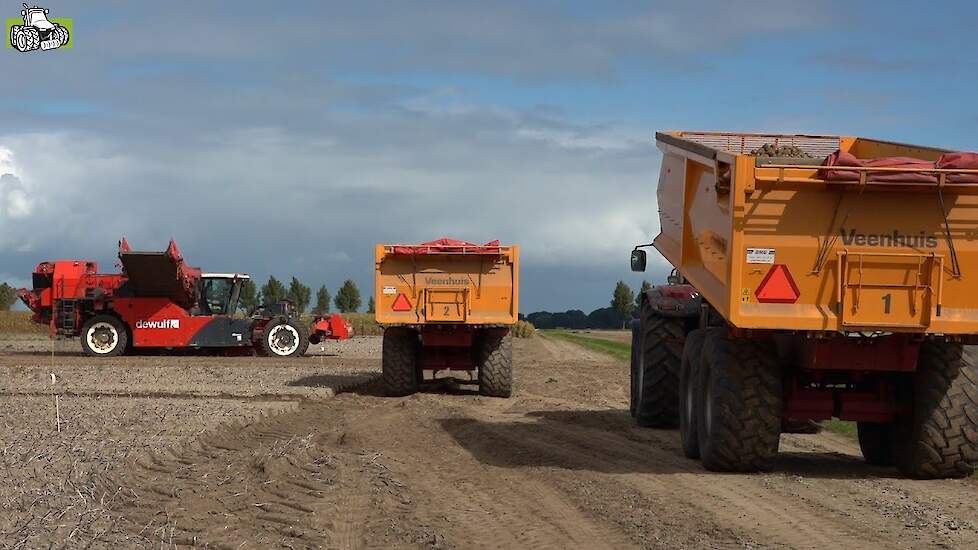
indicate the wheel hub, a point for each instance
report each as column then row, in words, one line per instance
column 283, row 340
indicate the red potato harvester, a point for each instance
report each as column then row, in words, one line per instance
column 158, row 301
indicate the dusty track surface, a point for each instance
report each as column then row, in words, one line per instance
column 559, row 465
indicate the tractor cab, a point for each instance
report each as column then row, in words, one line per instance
column 218, row 293
column 36, row 17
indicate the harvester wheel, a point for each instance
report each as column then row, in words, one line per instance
column 284, row 338
column 657, row 369
column 940, row 438
column 104, row 336
column 400, row 361
column 740, row 403
column 689, row 408
column 495, row 362
column 876, row 442
column 62, row 35
column 14, row 31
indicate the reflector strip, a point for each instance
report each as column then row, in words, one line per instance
column 777, row 287
column 401, row 303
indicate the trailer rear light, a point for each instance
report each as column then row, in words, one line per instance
column 777, row 287
column 401, row 303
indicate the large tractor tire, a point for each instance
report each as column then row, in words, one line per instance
column 104, row 336
column 400, row 361
column 63, row 36
column 495, row 362
column 283, row 338
column 689, row 410
column 740, row 404
column 876, row 442
column 655, row 403
column 28, row 39
column 14, row 31
column 940, row 438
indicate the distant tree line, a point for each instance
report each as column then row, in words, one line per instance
column 8, row 296
column 624, row 302
column 347, row 299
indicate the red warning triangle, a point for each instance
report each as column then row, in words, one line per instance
column 777, row 287
column 401, row 303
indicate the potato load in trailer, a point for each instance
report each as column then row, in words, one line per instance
column 447, row 307
column 815, row 277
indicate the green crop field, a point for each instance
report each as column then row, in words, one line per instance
column 619, row 350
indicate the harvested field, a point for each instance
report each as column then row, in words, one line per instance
column 213, row 452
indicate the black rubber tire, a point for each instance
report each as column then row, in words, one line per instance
column 740, row 404
column 495, row 363
column 940, row 438
column 122, row 336
column 14, row 30
column 33, row 38
column 400, row 361
column 633, row 369
column 876, row 442
column 657, row 373
column 266, row 348
column 688, row 392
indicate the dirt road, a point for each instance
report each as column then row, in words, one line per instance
column 559, row 465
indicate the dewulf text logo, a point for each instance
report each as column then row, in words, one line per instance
column 921, row 240
column 164, row 323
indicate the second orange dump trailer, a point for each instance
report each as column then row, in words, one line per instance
column 816, row 277
column 447, row 307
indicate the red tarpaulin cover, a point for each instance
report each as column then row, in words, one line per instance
column 960, row 161
column 448, row 246
column 842, row 159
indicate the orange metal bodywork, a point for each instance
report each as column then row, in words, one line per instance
column 447, row 288
column 865, row 256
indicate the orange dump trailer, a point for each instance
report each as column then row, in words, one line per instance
column 815, row 277
column 445, row 306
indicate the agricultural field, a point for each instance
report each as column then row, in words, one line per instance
column 247, row 452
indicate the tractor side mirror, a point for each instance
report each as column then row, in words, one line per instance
column 638, row 260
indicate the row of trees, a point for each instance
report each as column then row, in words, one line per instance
column 347, row 298
column 624, row 302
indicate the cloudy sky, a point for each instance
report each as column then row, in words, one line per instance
column 290, row 140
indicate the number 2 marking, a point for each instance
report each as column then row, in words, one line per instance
column 446, row 311
column 887, row 300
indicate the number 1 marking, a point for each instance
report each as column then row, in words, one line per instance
column 887, row 299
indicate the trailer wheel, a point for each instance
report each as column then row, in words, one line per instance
column 633, row 368
column 740, row 404
column 657, row 369
column 940, row 438
column 284, row 338
column 104, row 336
column 400, row 361
column 495, row 356
column 876, row 442
column 689, row 391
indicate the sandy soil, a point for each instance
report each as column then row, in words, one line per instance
column 250, row 453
